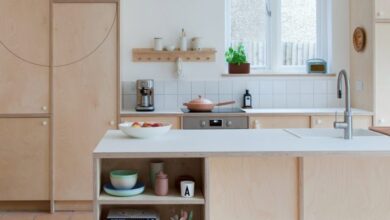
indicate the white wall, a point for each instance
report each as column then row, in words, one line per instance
column 142, row 20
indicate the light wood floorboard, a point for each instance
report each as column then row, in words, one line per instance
column 45, row 216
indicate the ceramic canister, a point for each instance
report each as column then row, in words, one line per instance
column 155, row 168
column 161, row 186
column 196, row 43
column 187, row 188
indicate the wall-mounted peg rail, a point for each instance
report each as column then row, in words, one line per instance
column 150, row 55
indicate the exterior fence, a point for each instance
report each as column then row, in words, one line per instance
column 294, row 53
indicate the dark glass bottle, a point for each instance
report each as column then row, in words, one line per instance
column 247, row 100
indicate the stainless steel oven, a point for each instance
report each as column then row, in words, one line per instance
column 222, row 118
column 215, row 122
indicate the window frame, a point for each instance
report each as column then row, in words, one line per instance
column 274, row 59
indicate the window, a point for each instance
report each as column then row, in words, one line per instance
column 279, row 35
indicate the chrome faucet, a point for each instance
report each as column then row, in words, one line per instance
column 347, row 123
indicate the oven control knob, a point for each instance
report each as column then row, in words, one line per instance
column 229, row 123
column 203, row 124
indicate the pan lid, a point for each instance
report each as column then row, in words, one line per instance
column 201, row 100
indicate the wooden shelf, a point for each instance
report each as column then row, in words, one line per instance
column 150, row 55
column 149, row 198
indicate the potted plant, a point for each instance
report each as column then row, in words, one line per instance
column 237, row 60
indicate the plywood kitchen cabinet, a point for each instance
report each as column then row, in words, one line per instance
column 327, row 121
column 24, row 87
column 253, row 188
column 382, row 74
column 174, row 120
column 85, row 92
column 382, row 9
column 24, row 159
column 279, row 122
column 347, row 188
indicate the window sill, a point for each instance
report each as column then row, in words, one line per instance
column 265, row 74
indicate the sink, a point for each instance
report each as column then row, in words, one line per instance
column 329, row 133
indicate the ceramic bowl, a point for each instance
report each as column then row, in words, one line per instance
column 170, row 48
column 123, row 179
column 136, row 190
column 144, row 133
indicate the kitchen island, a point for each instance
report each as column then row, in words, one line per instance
column 272, row 174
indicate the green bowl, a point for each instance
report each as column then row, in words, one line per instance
column 123, row 179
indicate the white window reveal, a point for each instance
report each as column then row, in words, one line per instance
column 279, row 35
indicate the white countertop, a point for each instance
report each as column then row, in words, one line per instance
column 274, row 111
column 204, row 143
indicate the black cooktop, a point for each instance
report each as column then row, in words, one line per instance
column 217, row 110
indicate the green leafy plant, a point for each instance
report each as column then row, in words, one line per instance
column 236, row 56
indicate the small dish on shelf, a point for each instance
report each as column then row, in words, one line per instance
column 139, row 188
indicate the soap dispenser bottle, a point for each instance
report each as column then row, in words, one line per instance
column 247, row 100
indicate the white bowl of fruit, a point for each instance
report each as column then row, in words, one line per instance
column 144, row 130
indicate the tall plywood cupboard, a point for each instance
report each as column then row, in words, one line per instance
column 85, row 93
column 58, row 93
column 24, row 101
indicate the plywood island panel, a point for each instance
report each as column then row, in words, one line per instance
column 345, row 188
column 253, row 188
column 85, row 92
column 24, row 87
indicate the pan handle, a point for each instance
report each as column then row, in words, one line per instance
column 185, row 104
column 225, row 103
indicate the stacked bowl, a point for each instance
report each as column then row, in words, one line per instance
column 124, row 183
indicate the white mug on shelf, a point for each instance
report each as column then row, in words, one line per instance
column 196, row 43
column 158, row 44
column 187, row 189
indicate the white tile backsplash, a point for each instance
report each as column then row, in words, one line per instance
column 170, row 102
column 293, row 100
column 198, row 88
column 184, row 88
column 170, row 88
column 159, row 102
column 307, row 101
column 266, row 93
column 239, row 87
column 279, row 87
column 159, row 87
column 266, row 87
column 266, row 101
column 320, row 86
column 307, row 86
column 225, row 87
column 320, row 100
column 279, row 101
column 293, row 87
column 212, row 87
column 253, row 87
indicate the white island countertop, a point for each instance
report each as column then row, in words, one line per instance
column 270, row 142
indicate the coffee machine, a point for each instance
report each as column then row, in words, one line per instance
column 145, row 95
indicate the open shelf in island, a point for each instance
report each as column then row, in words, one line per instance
column 149, row 198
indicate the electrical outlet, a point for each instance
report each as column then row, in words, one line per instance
column 359, row 85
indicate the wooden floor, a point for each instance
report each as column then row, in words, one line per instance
column 45, row 216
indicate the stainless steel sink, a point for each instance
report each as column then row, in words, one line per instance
column 329, row 133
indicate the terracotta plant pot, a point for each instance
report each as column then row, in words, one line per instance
column 244, row 68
